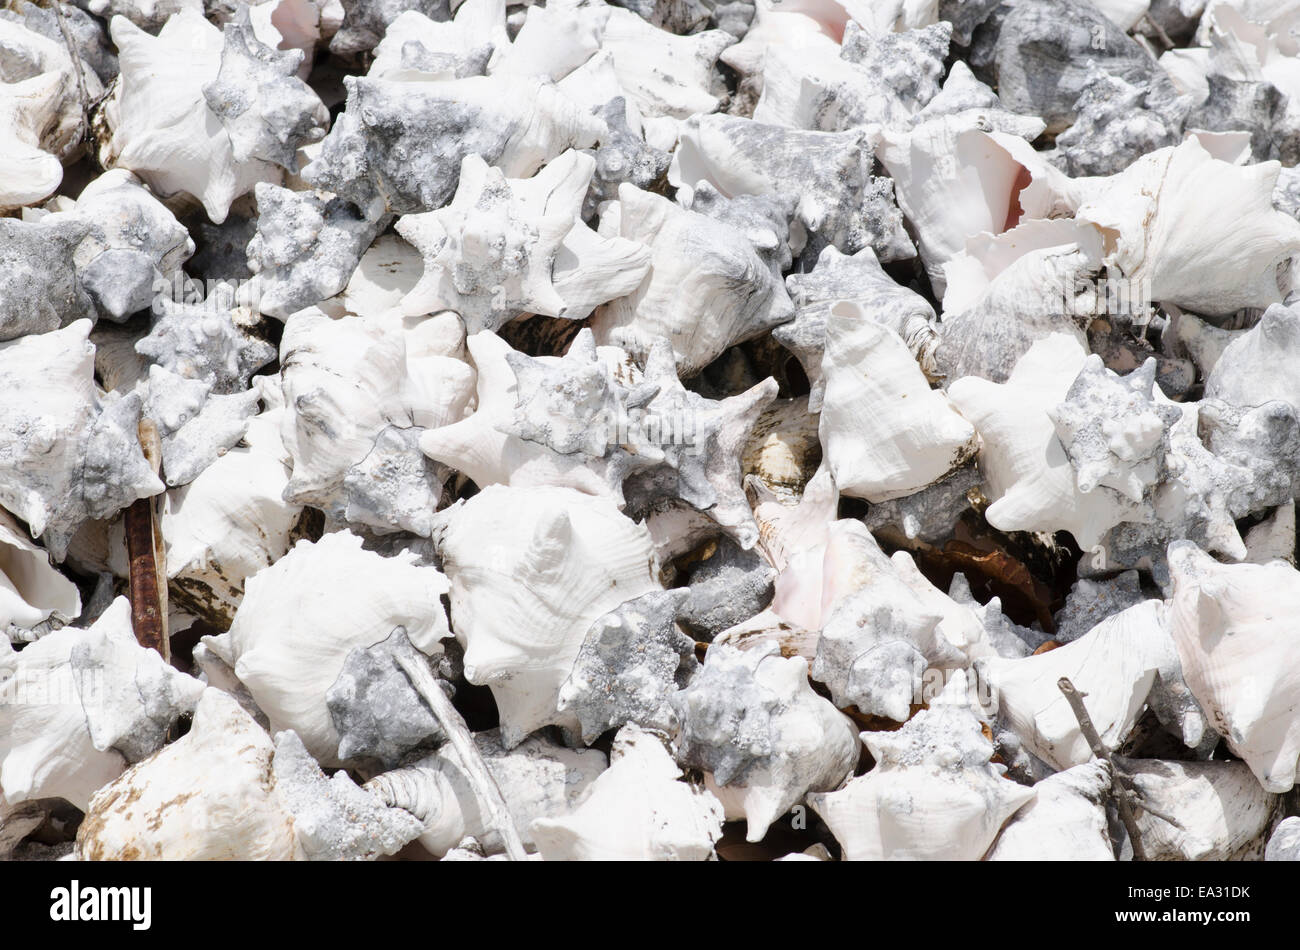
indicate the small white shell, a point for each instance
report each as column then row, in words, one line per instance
column 636, row 810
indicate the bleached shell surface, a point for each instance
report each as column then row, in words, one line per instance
column 301, row 616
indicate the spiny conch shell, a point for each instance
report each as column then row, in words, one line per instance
column 306, row 248
column 231, row 521
column 537, row 780
column 1066, row 821
column 1113, row 430
column 207, row 342
column 1238, row 656
column 1008, row 291
column 194, row 426
column 80, row 705
column 1027, row 473
column 1154, row 234
column 622, row 155
column 664, row 74
column 34, row 597
column 415, row 48
column 976, row 105
column 289, row 649
column 1284, row 843
column 358, row 403
column 840, row 203
column 70, row 453
column 877, row 643
column 192, row 123
column 546, row 251
column 712, row 283
column 954, row 181
column 631, row 662
column 636, row 810
column 1253, row 400
column 886, row 433
column 39, row 289
column 879, row 79
column 524, row 610
column 858, row 279
column 1123, row 664
column 933, row 795
column 751, row 720
column 1072, row 34
column 702, row 441
column 132, row 241
column 1221, row 808
column 40, row 113
column 1114, row 127
column 411, row 137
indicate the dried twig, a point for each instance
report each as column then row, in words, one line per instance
column 1159, row 31
column 144, row 549
column 485, row 786
column 1123, row 795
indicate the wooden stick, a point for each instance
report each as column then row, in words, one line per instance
column 144, row 550
column 76, row 67
column 484, row 785
column 1122, row 794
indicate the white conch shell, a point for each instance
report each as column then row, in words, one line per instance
column 751, row 720
column 486, row 447
column 301, row 617
column 1123, row 664
column 815, row 32
column 553, row 40
column 413, row 151
column 550, row 263
column 79, row 705
column 231, row 521
column 1238, row 653
column 933, row 795
column 1155, row 232
column 133, row 241
column 388, row 270
column 34, row 597
column 1284, row 843
column 40, row 113
column 886, row 433
column 1066, row 821
column 1221, row 808
column 523, row 609
column 166, row 129
column 68, row 453
column 710, row 284
column 209, row 795
column 857, row 280
column 417, row 49
column 954, row 181
column 636, row 810
column 664, row 74
column 840, row 203
column 537, row 779
column 1027, row 473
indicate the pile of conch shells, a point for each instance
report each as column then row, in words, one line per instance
column 670, row 429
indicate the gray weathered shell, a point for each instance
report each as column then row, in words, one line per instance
column 39, row 288
column 632, row 661
column 205, row 341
